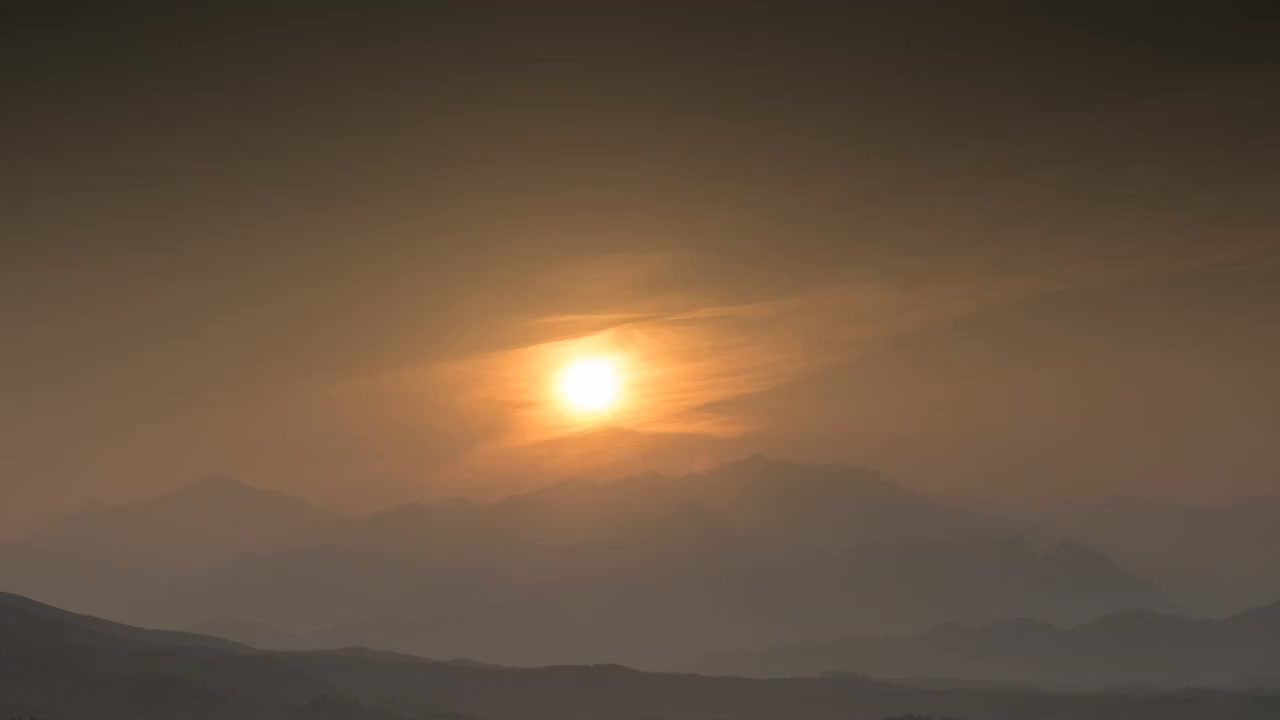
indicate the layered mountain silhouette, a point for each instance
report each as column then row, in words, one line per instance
column 57, row 664
column 1213, row 560
column 646, row 570
column 124, row 557
column 1125, row 648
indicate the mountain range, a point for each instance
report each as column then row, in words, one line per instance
column 647, row 570
column 1213, row 559
column 1131, row 648
column 58, row 664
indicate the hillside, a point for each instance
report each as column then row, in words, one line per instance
column 56, row 665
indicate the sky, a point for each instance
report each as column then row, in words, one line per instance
column 1000, row 251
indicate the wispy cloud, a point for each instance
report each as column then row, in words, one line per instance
column 680, row 368
column 684, row 359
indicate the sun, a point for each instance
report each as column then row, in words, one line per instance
column 589, row 384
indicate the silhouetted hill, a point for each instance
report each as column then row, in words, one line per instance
column 56, row 665
column 59, row 664
column 648, row 569
column 1125, row 648
column 98, row 626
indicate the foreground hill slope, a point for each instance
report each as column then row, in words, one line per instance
column 57, row 665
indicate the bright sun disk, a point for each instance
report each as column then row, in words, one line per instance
column 589, row 384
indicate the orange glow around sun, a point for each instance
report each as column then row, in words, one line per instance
column 589, row 385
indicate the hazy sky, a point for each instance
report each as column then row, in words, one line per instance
column 340, row 248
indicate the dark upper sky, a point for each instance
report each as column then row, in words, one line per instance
column 996, row 249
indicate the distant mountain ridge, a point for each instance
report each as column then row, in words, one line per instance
column 1124, row 648
column 124, row 556
column 647, row 569
column 1183, row 547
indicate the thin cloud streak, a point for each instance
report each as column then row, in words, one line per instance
column 682, row 368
